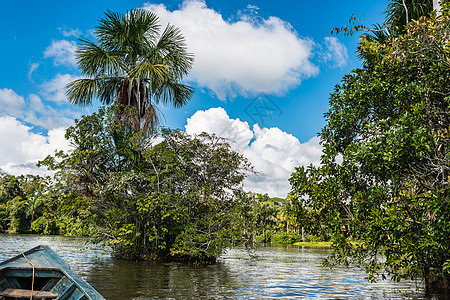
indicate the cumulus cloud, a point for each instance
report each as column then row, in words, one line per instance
column 45, row 116
column 273, row 152
column 54, row 90
column 34, row 111
column 247, row 56
column 25, row 148
column 335, row 53
column 62, row 52
column 216, row 120
column 11, row 103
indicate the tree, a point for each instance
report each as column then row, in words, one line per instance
column 265, row 212
column 133, row 64
column 10, row 187
column 179, row 199
column 386, row 160
column 400, row 12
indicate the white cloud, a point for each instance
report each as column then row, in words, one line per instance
column 70, row 32
column 335, row 53
column 32, row 110
column 11, row 103
column 273, row 152
column 252, row 7
column 247, row 56
column 216, row 120
column 54, row 90
column 37, row 113
column 63, row 52
column 25, row 148
column 33, row 68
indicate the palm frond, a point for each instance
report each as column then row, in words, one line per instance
column 377, row 34
column 173, row 92
column 397, row 13
column 111, row 31
column 171, row 50
column 82, row 91
column 109, row 90
column 150, row 118
column 128, row 34
column 153, row 72
column 144, row 24
column 94, row 61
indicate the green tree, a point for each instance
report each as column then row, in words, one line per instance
column 399, row 13
column 133, row 64
column 307, row 218
column 386, row 161
column 264, row 213
column 18, row 217
column 10, row 188
column 179, row 199
column 34, row 189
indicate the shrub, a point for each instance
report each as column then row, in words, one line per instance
column 286, row 238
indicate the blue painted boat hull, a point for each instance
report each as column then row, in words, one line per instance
column 51, row 278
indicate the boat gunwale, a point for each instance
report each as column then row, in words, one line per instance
column 76, row 279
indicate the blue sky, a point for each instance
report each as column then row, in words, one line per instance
column 262, row 76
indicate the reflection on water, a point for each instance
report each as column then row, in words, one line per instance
column 276, row 272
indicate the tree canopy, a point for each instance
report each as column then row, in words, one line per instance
column 170, row 196
column 386, row 161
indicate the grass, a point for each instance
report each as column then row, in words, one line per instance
column 314, row 244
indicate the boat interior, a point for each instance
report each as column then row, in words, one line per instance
column 45, row 284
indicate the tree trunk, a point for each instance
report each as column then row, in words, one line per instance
column 436, row 283
column 437, row 7
column 303, row 234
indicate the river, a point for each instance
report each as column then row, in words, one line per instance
column 276, row 272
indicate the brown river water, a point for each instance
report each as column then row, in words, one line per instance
column 285, row 272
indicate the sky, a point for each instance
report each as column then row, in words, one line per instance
column 262, row 75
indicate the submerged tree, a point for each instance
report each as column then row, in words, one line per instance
column 389, row 125
column 175, row 197
column 133, row 64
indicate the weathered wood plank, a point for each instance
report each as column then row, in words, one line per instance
column 20, row 293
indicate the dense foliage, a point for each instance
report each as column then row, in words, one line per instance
column 385, row 166
column 31, row 204
column 172, row 196
column 273, row 220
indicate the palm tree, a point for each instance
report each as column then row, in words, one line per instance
column 400, row 12
column 134, row 65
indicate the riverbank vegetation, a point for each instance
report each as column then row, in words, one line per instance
column 384, row 173
column 32, row 204
column 65, row 205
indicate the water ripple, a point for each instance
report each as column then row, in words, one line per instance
column 276, row 272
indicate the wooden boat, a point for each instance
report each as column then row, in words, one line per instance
column 40, row 273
